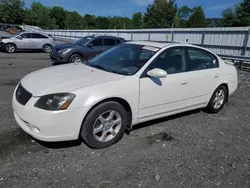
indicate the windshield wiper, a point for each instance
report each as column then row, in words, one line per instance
column 106, row 69
column 101, row 67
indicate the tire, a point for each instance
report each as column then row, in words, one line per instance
column 47, row 48
column 103, row 137
column 75, row 58
column 221, row 93
column 10, row 48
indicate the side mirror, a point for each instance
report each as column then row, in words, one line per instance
column 19, row 37
column 157, row 73
column 90, row 45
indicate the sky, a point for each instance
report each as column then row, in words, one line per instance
column 212, row 8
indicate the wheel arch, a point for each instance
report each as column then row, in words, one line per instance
column 75, row 53
column 119, row 100
column 10, row 43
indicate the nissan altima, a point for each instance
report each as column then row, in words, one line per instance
column 128, row 84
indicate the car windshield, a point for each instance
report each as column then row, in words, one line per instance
column 83, row 40
column 125, row 59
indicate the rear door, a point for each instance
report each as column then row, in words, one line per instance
column 23, row 41
column 108, row 43
column 38, row 40
column 203, row 75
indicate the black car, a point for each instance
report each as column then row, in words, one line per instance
column 83, row 49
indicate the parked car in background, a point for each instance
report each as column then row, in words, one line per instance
column 28, row 41
column 128, row 84
column 83, row 49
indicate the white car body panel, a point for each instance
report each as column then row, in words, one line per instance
column 148, row 98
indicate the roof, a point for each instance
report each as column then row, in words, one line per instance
column 151, row 43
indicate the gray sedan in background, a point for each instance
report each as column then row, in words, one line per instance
column 83, row 49
column 27, row 41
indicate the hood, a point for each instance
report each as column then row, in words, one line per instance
column 5, row 37
column 65, row 78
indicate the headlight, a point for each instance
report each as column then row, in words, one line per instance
column 60, row 101
column 65, row 50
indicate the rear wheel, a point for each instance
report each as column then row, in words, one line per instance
column 75, row 58
column 217, row 100
column 104, row 125
column 10, row 48
column 47, row 48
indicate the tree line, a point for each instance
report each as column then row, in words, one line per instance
column 160, row 14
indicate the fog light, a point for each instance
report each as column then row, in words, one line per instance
column 35, row 129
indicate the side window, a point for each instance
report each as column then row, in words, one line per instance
column 118, row 42
column 146, row 55
column 109, row 42
column 97, row 42
column 37, row 36
column 200, row 59
column 172, row 60
column 25, row 35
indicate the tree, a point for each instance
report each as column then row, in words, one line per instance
column 12, row 11
column 197, row 19
column 160, row 14
column 184, row 14
column 243, row 12
column 177, row 21
column 102, row 22
column 90, row 21
column 73, row 20
column 137, row 20
column 58, row 14
column 230, row 18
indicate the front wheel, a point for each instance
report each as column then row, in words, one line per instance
column 105, row 125
column 10, row 48
column 217, row 100
column 75, row 58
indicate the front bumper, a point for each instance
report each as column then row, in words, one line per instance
column 48, row 126
column 58, row 57
column 2, row 45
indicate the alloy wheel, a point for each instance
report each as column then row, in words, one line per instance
column 219, row 99
column 107, row 126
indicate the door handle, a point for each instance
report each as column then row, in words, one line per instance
column 216, row 76
column 185, row 83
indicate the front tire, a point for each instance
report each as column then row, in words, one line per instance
column 10, row 48
column 217, row 100
column 104, row 125
column 75, row 58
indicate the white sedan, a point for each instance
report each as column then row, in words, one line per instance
column 126, row 85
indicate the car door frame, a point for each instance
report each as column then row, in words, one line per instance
column 37, row 43
column 106, row 47
column 94, row 52
column 202, row 74
column 164, row 107
column 23, row 43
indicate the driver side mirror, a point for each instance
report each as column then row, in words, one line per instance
column 90, row 45
column 19, row 37
column 157, row 73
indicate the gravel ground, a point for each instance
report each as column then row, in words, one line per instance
column 193, row 149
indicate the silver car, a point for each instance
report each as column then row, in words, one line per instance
column 28, row 41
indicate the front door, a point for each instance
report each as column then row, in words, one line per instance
column 163, row 95
column 96, row 47
column 23, row 41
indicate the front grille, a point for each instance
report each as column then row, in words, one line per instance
column 22, row 95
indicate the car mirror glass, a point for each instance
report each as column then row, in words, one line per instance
column 19, row 37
